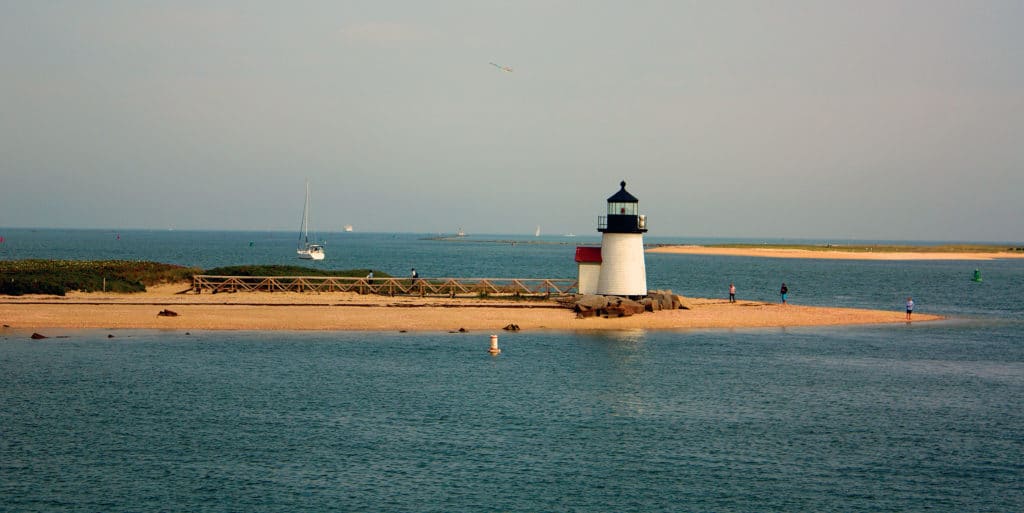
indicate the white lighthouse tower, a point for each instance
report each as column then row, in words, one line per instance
column 623, row 272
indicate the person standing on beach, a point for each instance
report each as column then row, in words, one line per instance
column 910, row 307
column 783, row 291
column 415, row 275
column 732, row 293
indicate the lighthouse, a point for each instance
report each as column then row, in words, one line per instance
column 623, row 272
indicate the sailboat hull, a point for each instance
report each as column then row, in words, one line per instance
column 308, row 255
column 311, row 252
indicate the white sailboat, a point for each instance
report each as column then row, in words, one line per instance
column 306, row 250
column 536, row 232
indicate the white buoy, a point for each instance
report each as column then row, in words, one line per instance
column 494, row 346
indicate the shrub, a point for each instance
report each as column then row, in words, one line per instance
column 19, row 277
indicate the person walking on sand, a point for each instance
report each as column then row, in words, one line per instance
column 732, row 293
column 783, row 291
column 910, row 307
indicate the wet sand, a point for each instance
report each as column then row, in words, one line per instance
column 833, row 254
column 355, row 312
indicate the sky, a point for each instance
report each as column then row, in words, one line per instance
column 892, row 120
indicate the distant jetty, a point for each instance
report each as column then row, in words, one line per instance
column 501, row 241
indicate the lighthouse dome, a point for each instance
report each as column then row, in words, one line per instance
column 623, row 196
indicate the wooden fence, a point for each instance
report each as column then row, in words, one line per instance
column 450, row 287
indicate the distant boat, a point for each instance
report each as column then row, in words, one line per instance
column 307, row 251
column 570, row 234
column 461, row 233
column 536, row 233
column 348, row 227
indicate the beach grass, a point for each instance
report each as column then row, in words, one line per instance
column 18, row 277
column 57, row 277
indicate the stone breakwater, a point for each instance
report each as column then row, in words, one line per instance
column 593, row 305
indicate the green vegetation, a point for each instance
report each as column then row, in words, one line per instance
column 57, row 277
column 876, row 248
column 19, row 277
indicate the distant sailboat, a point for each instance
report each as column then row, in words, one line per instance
column 536, row 233
column 307, row 251
column 462, row 233
column 348, row 227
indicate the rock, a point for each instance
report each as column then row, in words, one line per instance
column 167, row 313
column 632, row 307
column 592, row 301
column 614, row 311
column 511, row 327
column 37, row 336
column 664, row 300
column 110, row 336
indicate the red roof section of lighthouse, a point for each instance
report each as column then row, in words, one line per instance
column 588, row 254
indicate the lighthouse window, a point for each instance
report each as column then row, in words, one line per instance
column 622, row 209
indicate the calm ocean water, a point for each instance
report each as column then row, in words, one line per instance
column 868, row 418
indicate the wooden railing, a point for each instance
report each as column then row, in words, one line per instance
column 450, row 287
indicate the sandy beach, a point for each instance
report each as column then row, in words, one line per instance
column 832, row 255
column 355, row 312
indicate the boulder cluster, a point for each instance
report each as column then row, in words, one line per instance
column 590, row 305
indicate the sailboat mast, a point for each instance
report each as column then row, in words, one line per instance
column 304, row 227
column 305, row 215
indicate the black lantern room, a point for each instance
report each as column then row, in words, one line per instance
column 623, row 214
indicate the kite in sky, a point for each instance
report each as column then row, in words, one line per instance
column 506, row 69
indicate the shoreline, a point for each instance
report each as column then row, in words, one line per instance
column 290, row 311
column 834, row 254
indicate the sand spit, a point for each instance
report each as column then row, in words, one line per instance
column 832, row 255
column 355, row 312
